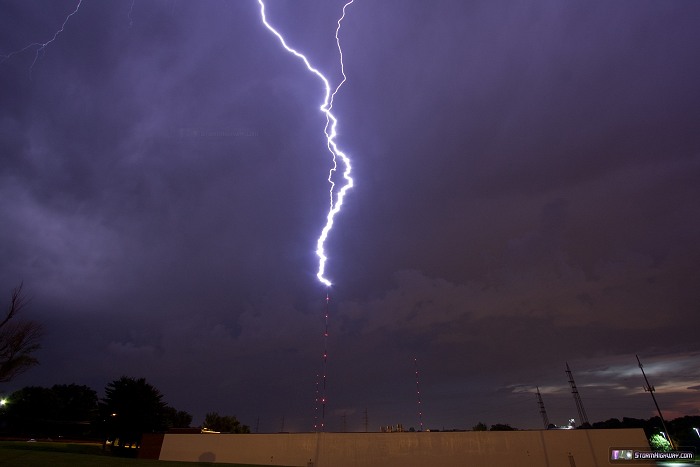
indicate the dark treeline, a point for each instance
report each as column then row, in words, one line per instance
column 682, row 430
column 130, row 408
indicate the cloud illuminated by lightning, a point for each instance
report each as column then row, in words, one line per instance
column 330, row 131
column 41, row 46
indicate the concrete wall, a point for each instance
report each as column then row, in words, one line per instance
column 552, row 448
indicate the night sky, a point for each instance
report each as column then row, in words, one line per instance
column 527, row 187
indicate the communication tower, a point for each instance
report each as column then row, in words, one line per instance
column 543, row 412
column 577, row 398
column 650, row 389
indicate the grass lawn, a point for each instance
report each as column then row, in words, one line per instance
column 42, row 454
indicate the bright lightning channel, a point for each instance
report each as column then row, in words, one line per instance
column 41, row 47
column 330, row 131
column 131, row 10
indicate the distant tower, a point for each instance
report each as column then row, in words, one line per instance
column 650, row 389
column 420, row 408
column 577, row 398
column 325, row 365
column 320, row 419
column 543, row 412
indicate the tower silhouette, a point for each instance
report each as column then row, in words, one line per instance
column 577, row 398
column 543, row 411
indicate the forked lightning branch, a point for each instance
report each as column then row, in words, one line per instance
column 330, row 130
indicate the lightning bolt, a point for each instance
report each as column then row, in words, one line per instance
column 41, row 47
column 131, row 9
column 330, row 130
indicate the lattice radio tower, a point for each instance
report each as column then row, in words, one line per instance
column 418, row 400
column 543, row 411
column 650, row 389
column 320, row 425
column 577, row 398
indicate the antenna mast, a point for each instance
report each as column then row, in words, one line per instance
column 577, row 398
column 543, row 412
column 320, row 421
column 420, row 408
column 650, row 389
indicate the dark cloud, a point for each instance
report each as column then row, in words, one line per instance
column 526, row 186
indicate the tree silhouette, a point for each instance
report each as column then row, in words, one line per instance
column 62, row 410
column 224, row 423
column 481, row 426
column 130, row 408
column 502, row 427
column 18, row 339
column 29, row 410
column 74, row 403
column 177, row 418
